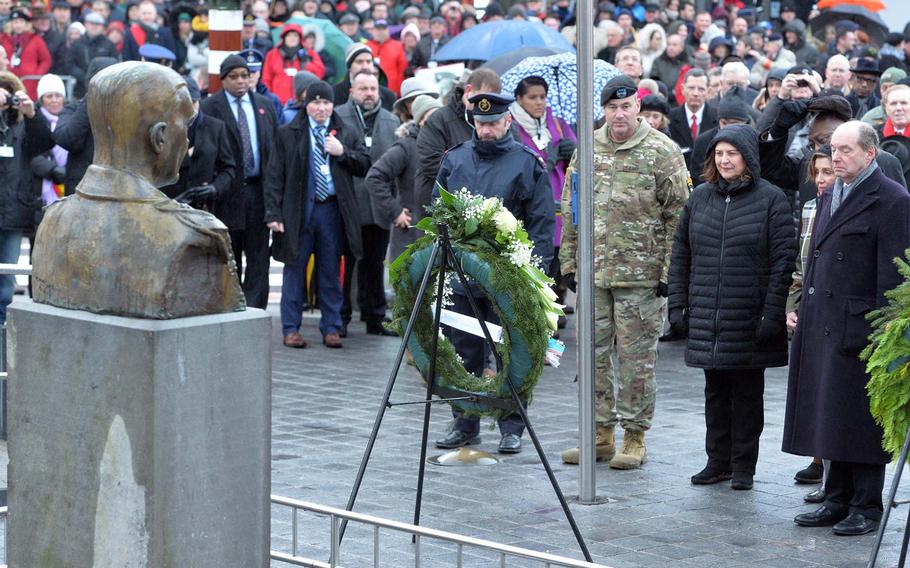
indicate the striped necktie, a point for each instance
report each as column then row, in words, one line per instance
column 320, row 160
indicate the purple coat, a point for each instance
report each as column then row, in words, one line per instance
column 849, row 270
column 559, row 129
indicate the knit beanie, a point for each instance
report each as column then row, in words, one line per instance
column 51, row 83
column 320, row 90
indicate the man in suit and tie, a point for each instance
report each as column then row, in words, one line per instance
column 312, row 209
column 689, row 120
column 251, row 125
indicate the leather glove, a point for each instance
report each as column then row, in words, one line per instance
column 679, row 321
column 198, row 194
column 564, row 149
column 768, row 330
column 58, row 174
column 662, row 290
column 569, row 280
column 552, row 157
column 790, row 114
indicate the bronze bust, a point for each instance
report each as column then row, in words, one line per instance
column 118, row 245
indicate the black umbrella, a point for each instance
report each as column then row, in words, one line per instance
column 508, row 60
column 867, row 20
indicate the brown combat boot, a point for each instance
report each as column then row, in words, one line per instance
column 605, row 447
column 633, row 452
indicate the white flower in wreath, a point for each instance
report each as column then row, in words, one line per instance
column 520, row 254
column 491, row 205
column 506, row 223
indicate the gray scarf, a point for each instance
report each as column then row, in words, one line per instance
column 842, row 191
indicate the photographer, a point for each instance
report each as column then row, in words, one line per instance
column 24, row 133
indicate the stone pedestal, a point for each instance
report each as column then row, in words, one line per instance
column 138, row 443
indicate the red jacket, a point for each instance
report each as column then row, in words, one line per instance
column 277, row 79
column 392, row 59
column 34, row 58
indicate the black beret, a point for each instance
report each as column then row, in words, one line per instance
column 618, row 87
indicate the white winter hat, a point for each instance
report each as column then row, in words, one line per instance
column 50, row 83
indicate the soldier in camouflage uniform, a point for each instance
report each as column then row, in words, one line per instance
column 640, row 186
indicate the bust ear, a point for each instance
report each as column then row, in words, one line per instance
column 157, row 136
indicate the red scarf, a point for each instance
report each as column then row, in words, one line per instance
column 138, row 34
column 889, row 130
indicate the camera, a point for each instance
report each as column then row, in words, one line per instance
column 14, row 101
column 803, row 82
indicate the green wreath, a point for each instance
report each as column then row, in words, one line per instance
column 490, row 248
column 888, row 363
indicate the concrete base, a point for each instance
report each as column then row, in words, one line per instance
column 138, row 443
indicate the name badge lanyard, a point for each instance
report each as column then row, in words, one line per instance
column 368, row 134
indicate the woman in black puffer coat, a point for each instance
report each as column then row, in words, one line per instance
column 733, row 257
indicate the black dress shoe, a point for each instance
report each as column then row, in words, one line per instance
column 510, row 444
column 672, row 335
column 821, row 517
column 709, row 476
column 742, row 481
column 812, row 474
column 376, row 328
column 855, row 525
column 817, row 496
column 457, row 439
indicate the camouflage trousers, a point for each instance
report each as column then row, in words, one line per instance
column 631, row 320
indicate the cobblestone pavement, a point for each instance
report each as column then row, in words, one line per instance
column 324, row 404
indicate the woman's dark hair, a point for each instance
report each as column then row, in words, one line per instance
column 533, row 81
column 711, row 173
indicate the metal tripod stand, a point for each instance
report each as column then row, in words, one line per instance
column 891, row 503
column 443, row 255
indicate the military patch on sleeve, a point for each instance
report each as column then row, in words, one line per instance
column 689, row 181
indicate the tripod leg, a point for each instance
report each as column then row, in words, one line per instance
column 434, row 254
column 431, row 379
column 903, row 557
column 889, row 504
column 522, row 412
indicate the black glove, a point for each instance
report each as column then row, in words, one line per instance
column 769, row 330
column 58, row 174
column 569, row 280
column 662, row 291
column 304, row 56
column 679, row 321
column 790, row 114
column 552, row 157
column 564, row 149
column 198, row 194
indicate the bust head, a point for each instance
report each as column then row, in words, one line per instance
column 140, row 113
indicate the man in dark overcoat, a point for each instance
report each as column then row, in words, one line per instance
column 862, row 224
column 311, row 209
column 250, row 122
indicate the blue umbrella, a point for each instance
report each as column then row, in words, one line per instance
column 492, row 39
column 561, row 74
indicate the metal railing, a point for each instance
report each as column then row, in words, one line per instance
column 336, row 516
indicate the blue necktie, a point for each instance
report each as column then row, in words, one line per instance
column 243, row 126
column 320, row 161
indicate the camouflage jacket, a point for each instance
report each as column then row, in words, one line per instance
column 640, row 187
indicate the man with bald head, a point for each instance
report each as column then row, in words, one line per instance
column 861, row 225
column 837, row 73
column 118, row 245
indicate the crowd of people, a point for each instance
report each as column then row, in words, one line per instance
column 750, row 189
